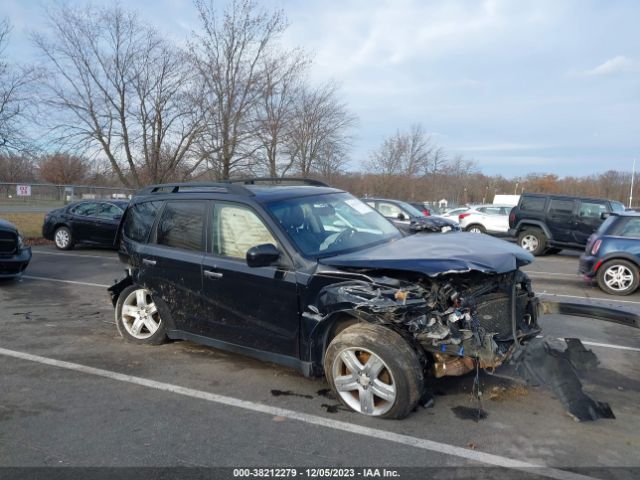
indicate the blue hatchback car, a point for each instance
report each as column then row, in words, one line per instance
column 612, row 254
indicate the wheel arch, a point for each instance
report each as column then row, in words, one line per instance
column 618, row 256
column 524, row 224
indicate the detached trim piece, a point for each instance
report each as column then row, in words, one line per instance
column 591, row 311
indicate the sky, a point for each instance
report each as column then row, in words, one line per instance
column 518, row 86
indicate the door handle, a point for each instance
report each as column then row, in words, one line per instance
column 146, row 261
column 212, row 274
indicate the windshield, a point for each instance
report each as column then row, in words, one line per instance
column 325, row 225
column 617, row 206
column 413, row 211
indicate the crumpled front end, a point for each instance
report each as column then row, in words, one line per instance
column 461, row 322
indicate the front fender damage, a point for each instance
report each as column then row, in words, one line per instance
column 461, row 322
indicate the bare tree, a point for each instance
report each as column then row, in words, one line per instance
column 320, row 130
column 230, row 54
column 64, row 168
column 16, row 168
column 120, row 88
column 275, row 110
column 14, row 98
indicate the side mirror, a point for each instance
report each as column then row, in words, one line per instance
column 262, row 255
column 401, row 216
column 604, row 215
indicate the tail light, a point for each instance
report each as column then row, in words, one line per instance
column 426, row 212
column 596, row 247
column 512, row 218
column 463, row 215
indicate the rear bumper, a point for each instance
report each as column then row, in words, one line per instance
column 512, row 232
column 587, row 266
column 16, row 264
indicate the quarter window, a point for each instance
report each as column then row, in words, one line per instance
column 181, row 225
column 532, row 204
column 139, row 220
column 236, row 229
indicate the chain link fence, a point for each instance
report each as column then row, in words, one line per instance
column 44, row 196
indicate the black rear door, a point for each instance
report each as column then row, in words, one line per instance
column 171, row 263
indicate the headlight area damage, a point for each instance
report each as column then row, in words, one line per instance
column 463, row 321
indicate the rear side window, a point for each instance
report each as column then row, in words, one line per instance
column 532, row 204
column 561, row 207
column 139, row 220
column 182, row 225
column 631, row 228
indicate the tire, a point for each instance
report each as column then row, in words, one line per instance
column 618, row 277
column 137, row 317
column 63, row 239
column 533, row 240
column 476, row 228
column 374, row 371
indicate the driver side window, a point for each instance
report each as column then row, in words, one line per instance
column 236, row 229
column 389, row 209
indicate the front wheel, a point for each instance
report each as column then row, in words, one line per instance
column 63, row 239
column 137, row 317
column 618, row 277
column 374, row 371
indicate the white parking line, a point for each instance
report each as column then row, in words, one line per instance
column 608, row 300
column 416, row 442
column 533, row 272
column 72, row 282
column 608, row 345
column 41, row 252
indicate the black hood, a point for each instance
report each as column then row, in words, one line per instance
column 435, row 255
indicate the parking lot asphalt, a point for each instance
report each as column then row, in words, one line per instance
column 73, row 393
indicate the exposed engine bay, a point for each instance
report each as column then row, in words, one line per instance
column 464, row 322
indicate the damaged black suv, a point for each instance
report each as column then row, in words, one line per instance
column 294, row 272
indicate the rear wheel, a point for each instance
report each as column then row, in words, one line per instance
column 476, row 228
column 618, row 277
column 137, row 317
column 374, row 371
column 533, row 240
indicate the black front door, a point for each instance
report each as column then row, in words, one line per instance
column 250, row 307
column 588, row 220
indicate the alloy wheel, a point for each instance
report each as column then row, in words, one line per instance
column 618, row 278
column 363, row 381
column 140, row 315
column 529, row 243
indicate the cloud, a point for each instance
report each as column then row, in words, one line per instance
column 501, row 147
column 613, row 66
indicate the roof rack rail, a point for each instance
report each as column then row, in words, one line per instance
column 196, row 187
column 277, row 181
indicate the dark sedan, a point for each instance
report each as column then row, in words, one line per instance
column 409, row 219
column 92, row 222
column 612, row 255
column 14, row 255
